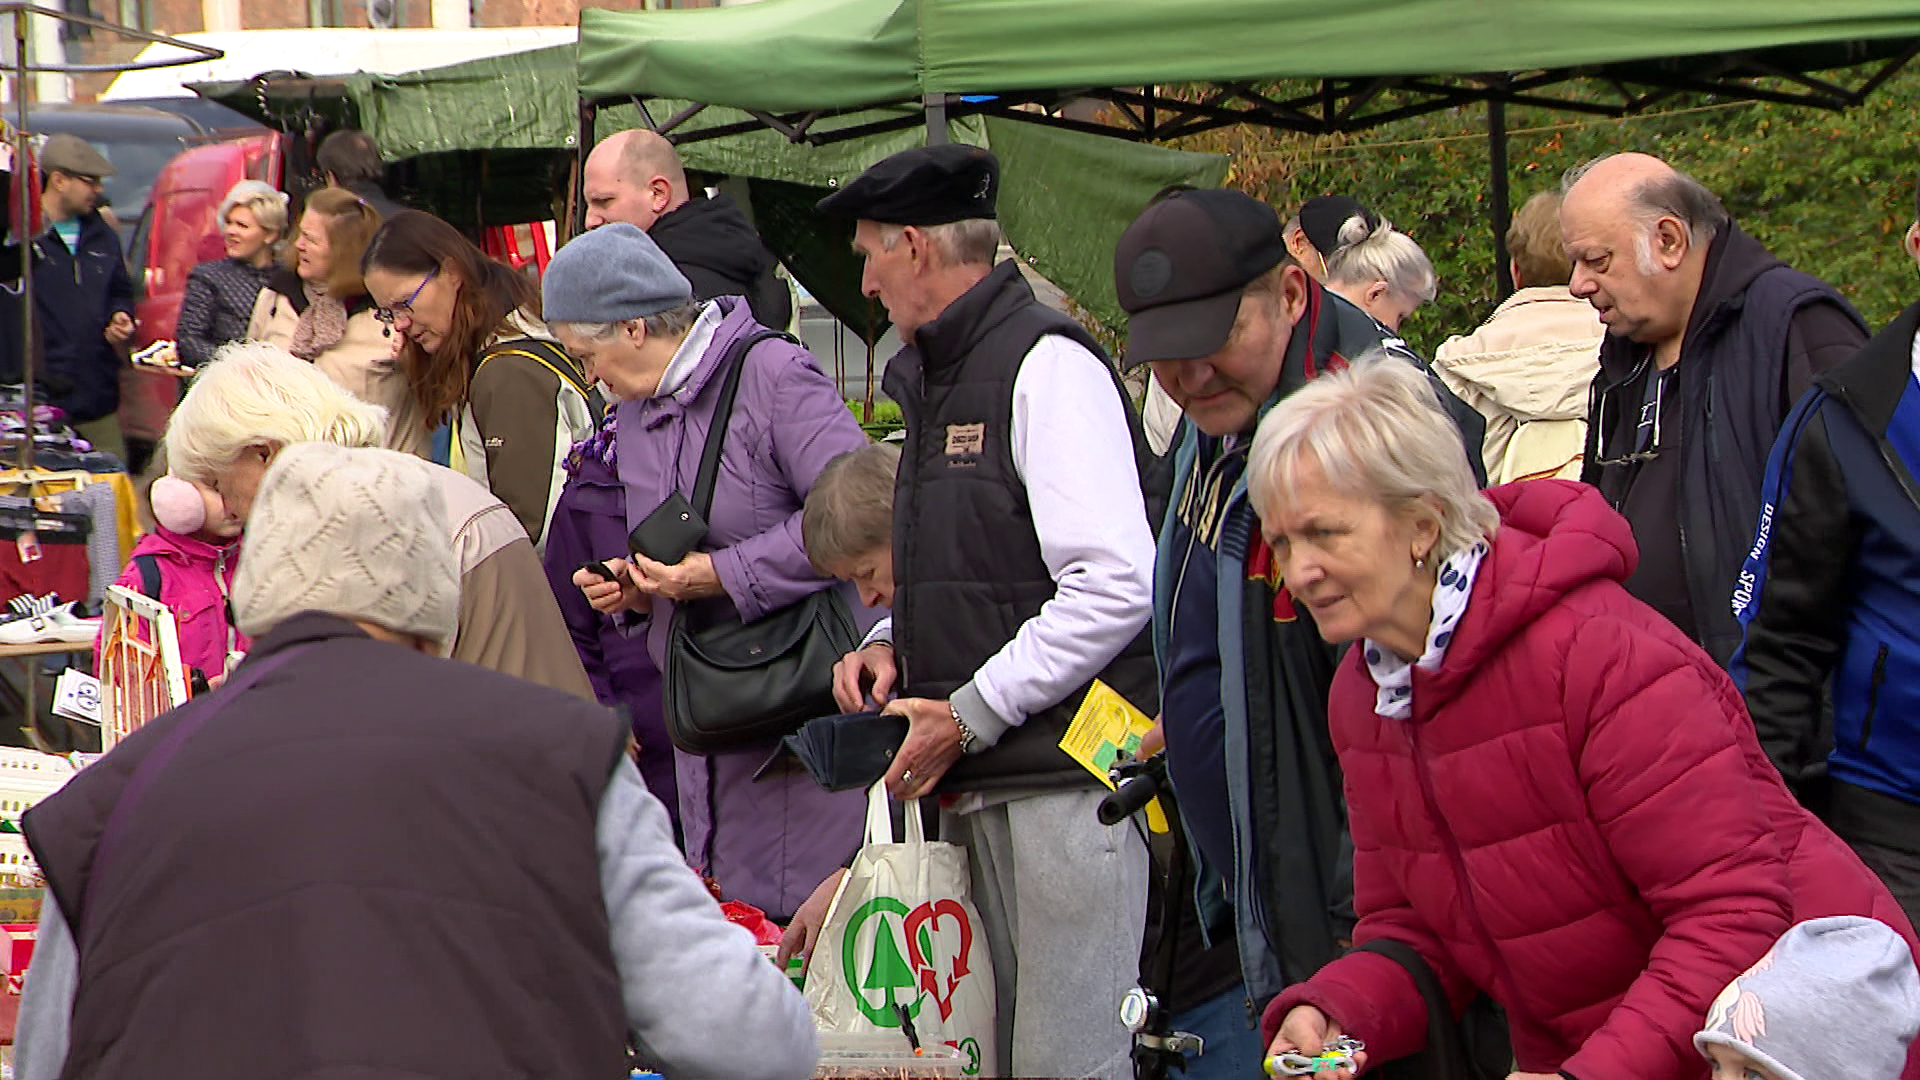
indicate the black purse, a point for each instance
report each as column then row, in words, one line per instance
column 731, row 684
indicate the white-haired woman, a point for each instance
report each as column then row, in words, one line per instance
column 221, row 293
column 1555, row 797
column 256, row 399
column 1381, row 271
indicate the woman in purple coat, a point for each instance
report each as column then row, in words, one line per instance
column 622, row 309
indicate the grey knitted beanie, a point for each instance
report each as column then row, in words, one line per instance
column 614, row 273
column 1835, row 997
column 361, row 534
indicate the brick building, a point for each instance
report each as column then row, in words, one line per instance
column 186, row 16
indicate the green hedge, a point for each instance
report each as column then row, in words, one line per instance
column 1831, row 193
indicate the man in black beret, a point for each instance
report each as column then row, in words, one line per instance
column 1022, row 564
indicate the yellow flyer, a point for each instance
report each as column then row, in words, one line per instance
column 1106, row 727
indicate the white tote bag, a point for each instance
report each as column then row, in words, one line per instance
column 902, row 931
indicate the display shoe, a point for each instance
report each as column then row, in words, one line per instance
column 61, row 624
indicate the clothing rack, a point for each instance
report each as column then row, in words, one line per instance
column 22, row 150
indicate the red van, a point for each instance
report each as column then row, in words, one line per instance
column 179, row 232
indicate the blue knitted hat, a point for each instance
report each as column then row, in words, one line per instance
column 614, row 273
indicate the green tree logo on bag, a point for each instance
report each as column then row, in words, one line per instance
column 905, row 967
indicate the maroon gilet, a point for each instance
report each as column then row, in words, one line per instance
column 369, row 863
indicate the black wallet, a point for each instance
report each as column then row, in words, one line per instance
column 846, row 752
column 670, row 533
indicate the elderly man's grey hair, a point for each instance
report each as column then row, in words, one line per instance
column 1374, row 430
column 971, row 242
column 1675, row 195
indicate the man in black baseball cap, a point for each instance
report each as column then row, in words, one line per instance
column 1022, row 571
column 1231, row 323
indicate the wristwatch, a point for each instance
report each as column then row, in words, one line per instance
column 967, row 737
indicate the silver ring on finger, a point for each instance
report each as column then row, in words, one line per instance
column 907, row 777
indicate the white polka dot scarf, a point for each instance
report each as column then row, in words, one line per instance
column 1394, row 676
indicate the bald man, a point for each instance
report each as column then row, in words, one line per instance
column 1710, row 340
column 635, row 176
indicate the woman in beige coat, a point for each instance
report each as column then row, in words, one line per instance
column 317, row 308
column 1527, row 369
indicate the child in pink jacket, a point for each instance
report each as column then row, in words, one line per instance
column 188, row 563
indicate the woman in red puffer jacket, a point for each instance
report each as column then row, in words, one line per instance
column 1555, row 796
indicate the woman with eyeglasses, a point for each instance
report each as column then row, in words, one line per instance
column 478, row 361
column 317, row 308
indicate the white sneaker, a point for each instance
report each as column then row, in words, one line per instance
column 60, row 625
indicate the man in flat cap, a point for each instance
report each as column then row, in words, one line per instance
column 1021, row 560
column 83, row 295
column 1231, row 323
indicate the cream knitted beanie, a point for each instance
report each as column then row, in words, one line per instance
column 361, row 534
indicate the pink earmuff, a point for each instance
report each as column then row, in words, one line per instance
column 178, row 505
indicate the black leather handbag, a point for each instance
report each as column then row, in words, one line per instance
column 731, row 684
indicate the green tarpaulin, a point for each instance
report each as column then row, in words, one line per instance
column 490, row 141
column 801, row 55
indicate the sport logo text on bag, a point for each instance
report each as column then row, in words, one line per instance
column 937, row 938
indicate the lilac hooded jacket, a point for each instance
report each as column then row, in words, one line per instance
column 769, row 842
column 589, row 524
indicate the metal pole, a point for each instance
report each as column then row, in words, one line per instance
column 937, row 120
column 1501, row 207
column 23, row 188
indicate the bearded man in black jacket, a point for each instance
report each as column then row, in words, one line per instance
column 636, row 176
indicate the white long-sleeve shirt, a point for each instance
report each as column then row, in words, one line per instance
column 685, row 971
column 1073, row 449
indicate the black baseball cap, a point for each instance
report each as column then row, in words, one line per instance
column 1182, row 265
column 928, row 185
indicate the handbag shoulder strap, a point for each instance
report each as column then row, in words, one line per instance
column 1444, row 1046
column 732, row 364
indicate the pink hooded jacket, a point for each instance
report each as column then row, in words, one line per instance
column 195, row 580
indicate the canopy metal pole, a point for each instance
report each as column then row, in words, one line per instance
column 1499, row 203
column 577, row 171
column 23, row 190
column 937, row 120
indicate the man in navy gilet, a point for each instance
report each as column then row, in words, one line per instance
column 1710, row 338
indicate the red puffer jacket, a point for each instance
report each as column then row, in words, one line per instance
column 1578, row 818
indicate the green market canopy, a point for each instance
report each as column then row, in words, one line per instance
column 1372, row 62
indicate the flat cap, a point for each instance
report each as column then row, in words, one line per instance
column 74, row 155
column 928, row 185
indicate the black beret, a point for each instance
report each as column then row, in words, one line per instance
column 928, row 185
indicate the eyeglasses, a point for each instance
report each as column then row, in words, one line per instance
column 387, row 315
column 1651, row 449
